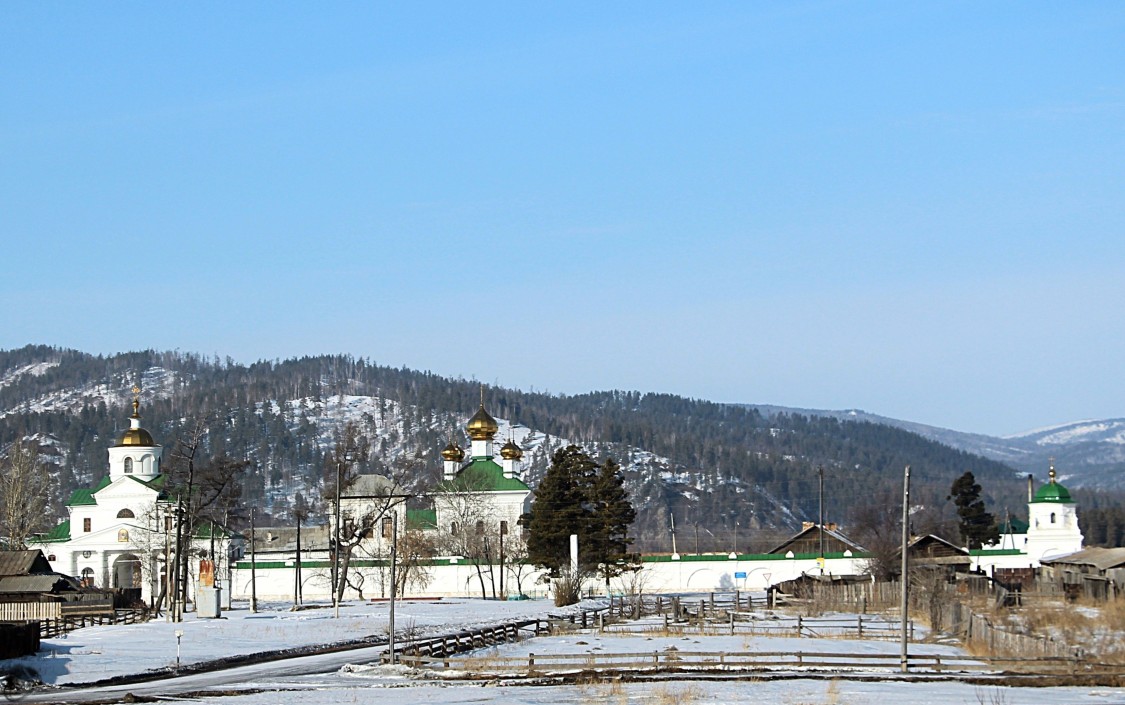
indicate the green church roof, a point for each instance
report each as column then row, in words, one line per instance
column 1014, row 525
column 58, row 534
column 85, row 496
column 1053, row 492
column 484, row 475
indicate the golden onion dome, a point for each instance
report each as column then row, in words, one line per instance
column 482, row 427
column 453, row 452
column 511, row 451
column 136, row 437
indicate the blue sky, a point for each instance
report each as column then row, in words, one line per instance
column 914, row 209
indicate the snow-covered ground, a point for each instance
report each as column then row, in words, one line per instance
column 92, row 654
column 96, row 653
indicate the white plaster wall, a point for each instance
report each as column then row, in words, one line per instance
column 460, row 579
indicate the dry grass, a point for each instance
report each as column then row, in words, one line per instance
column 832, row 693
column 676, row 694
column 1095, row 628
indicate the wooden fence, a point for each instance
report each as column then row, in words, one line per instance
column 449, row 644
column 977, row 629
column 534, row 665
column 946, row 611
column 18, row 639
column 859, row 627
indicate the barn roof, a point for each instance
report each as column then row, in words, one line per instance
column 23, row 563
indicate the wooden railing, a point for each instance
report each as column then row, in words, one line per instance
column 859, row 627
column 50, row 628
column 449, row 644
column 534, row 665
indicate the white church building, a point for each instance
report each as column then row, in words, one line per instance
column 121, row 531
column 1051, row 531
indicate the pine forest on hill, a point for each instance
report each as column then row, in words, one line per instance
column 725, row 472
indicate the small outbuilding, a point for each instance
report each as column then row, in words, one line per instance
column 1095, row 572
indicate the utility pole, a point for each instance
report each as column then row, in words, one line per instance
column 905, row 578
column 297, row 567
column 820, row 471
column 675, row 553
column 253, row 568
column 503, row 530
column 336, row 582
column 394, row 565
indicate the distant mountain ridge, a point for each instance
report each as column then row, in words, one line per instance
column 1088, row 453
column 726, row 473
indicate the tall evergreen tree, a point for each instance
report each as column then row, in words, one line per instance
column 613, row 513
column 561, row 507
column 977, row 526
column 580, row 496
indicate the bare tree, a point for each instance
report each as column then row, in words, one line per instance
column 474, row 527
column 24, row 489
column 877, row 526
column 515, row 557
column 365, row 501
column 207, row 490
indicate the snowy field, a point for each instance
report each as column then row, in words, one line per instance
column 93, row 654
column 96, row 653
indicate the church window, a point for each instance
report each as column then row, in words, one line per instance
column 480, row 528
column 168, row 523
column 87, row 577
column 86, row 525
column 126, row 514
column 51, row 557
column 1052, row 517
column 388, row 527
column 503, row 528
column 453, row 529
column 128, row 465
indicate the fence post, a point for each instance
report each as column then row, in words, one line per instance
column 601, row 623
column 732, row 623
column 530, row 664
column 656, row 660
column 799, row 626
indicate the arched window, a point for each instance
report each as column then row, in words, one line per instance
column 453, row 529
column 126, row 514
column 1052, row 517
column 87, row 577
column 128, row 465
column 480, row 528
column 123, row 536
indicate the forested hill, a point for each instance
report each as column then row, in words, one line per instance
column 711, row 465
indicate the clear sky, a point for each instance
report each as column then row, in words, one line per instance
column 911, row 208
